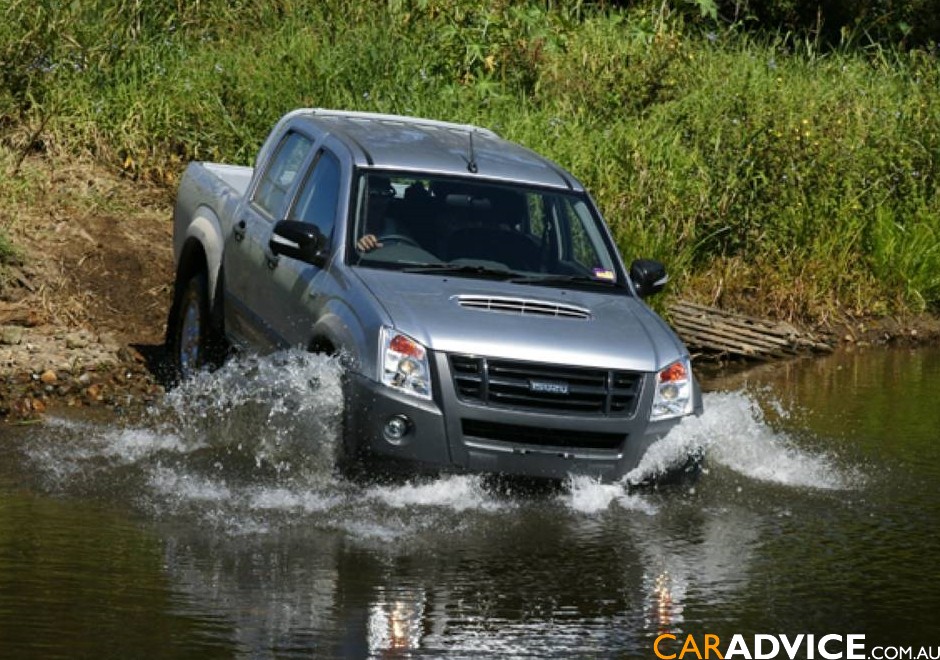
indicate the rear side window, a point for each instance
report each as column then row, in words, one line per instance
column 282, row 170
column 319, row 196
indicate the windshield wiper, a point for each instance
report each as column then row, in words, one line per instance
column 464, row 269
column 552, row 280
column 509, row 275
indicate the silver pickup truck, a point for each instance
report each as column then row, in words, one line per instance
column 485, row 316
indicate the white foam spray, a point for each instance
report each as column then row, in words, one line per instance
column 256, row 440
column 734, row 433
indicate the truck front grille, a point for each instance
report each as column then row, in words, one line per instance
column 535, row 386
column 531, row 435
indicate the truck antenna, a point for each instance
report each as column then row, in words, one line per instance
column 472, row 163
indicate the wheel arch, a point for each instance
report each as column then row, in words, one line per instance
column 202, row 248
column 340, row 334
column 201, row 252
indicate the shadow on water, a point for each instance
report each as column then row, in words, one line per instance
column 223, row 509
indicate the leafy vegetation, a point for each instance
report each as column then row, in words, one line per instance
column 909, row 22
column 776, row 174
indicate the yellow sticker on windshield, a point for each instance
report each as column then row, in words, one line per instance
column 604, row 274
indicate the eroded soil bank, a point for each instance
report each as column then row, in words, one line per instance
column 83, row 309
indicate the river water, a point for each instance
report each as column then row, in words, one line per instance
column 213, row 526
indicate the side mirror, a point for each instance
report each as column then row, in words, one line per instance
column 299, row 240
column 649, row 277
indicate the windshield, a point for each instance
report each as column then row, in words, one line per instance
column 421, row 223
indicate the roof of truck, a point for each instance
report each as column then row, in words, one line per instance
column 396, row 142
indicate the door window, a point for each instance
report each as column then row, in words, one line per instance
column 271, row 194
column 319, row 196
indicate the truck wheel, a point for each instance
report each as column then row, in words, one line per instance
column 196, row 343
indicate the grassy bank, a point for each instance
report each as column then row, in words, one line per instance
column 768, row 175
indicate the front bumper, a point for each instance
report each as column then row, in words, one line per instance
column 458, row 435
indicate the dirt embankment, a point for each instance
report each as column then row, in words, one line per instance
column 82, row 314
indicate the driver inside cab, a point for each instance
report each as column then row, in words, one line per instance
column 387, row 215
column 378, row 197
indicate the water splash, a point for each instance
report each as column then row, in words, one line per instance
column 182, row 486
column 732, row 434
column 735, row 434
column 587, row 495
column 253, row 445
column 299, row 500
column 456, row 492
column 283, row 411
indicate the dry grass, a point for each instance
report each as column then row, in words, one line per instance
column 96, row 248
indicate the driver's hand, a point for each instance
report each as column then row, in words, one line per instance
column 368, row 243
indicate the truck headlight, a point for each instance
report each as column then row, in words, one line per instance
column 673, row 395
column 404, row 364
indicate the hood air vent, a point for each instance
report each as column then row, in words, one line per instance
column 522, row 306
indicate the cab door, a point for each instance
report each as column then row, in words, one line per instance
column 248, row 262
column 300, row 289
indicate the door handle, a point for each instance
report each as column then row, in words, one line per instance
column 238, row 231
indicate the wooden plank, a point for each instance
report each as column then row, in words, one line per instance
column 706, row 341
column 784, row 330
column 715, row 311
column 725, row 329
column 726, row 325
column 780, row 330
column 726, row 345
column 721, row 331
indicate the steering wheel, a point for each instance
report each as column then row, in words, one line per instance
column 399, row 238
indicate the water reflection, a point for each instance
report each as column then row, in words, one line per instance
column 543, row 578
column 272, row 596
column 666, row 613
column 397, row 620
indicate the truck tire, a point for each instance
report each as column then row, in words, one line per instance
column 196, row 342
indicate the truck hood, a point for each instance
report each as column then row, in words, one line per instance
column 455, row 315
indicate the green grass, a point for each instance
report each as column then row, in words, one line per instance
column 768, row 175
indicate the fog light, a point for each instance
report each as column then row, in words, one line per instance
column 396, row 428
